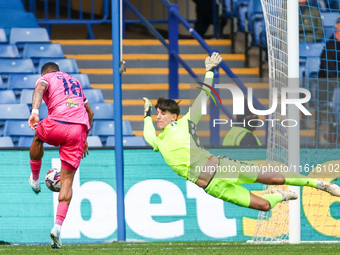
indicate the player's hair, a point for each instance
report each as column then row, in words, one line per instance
column 167, row 105
column 336, row 22
column 49, row 66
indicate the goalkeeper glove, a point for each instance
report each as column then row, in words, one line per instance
column 147, row 107
column 212, row 62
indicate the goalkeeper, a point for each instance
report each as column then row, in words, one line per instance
column 181, row 149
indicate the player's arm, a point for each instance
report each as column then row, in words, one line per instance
column 90, row 114
column 149, row 131
column 38, row 92
column 210, row 64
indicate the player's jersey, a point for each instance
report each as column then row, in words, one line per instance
column 64, row 98
column 180, row 147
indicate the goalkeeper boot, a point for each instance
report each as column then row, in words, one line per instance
column 34, row 184
column 287, row 195
column 331, row 188
column 55, row 236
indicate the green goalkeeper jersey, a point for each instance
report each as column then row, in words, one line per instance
column 178, row 142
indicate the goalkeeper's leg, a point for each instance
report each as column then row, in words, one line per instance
column 294, row 179
column 231, row 191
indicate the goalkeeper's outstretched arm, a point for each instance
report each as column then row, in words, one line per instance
column 149, row 131
column 210, row 64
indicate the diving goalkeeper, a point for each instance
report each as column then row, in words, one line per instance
column 182, row 151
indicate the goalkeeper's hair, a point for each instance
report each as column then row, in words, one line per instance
column 49, row 66
column 167, row 105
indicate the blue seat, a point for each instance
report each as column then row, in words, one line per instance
column 25, row 141
column 18, row 82
column 328, row 21
column 67, row 65
column 128, row 141
column 16, row 66
column 242, row 10
column 94, row 141
column 12, row 111
column 30, row 34
column 105, row 128
column 2, row 84
column 17, row 128
column 7, row 97
column 16, row 19
column 9, row 51
column 12, row 5
column 3, row 36
column 94, row 95
column 36, row 51
column 43, row 111
column 255, row 21
column 84, row 80
column 26, row 97
column 6, row 142
column 102, row 111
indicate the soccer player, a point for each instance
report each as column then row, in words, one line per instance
column 69, row 120
column 182, row 151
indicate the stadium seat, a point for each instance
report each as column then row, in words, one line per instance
column 12, row 5
column 67, row 65
column 84, row 80
column 7, row 97
column 43, row 111
column 102, row 111
column 18, row 82
column 328, row 21
column 105, row 128
column 128, row 141
column 242, row 10
column 25, row 141
column 2, row 84
column 9, row 51
column 6, row 142
column 3, row 36
column 16, row 66
column 16, row 19
column 17, row 128
column 12, row 111
column 26, row 97
column 31, row 34
column 35, row 51
column 94, row 141
column 94, row 95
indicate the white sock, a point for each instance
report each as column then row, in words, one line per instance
column 58, row 227
column 320, row 185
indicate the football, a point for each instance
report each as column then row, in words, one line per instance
column 52, row 179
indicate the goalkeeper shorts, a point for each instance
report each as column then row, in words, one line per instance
column 230, row 189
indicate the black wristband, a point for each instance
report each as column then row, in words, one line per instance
column 148, row 113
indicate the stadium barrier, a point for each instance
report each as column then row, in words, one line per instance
column 160, row 206
column 93, row 12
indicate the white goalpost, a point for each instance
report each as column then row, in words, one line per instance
column 282, row 223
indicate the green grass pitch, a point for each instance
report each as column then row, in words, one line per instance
column 173, row 248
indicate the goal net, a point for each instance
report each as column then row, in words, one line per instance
column 319, row 133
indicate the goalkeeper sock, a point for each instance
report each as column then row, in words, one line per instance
column 273, row 199
column 61, row 213
column 295, row 179
column 35, row 167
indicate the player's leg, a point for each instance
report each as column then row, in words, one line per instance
column 295, row 179
column 231, row 191
column 65, row 195
column 71, row 150
column 36, row 154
